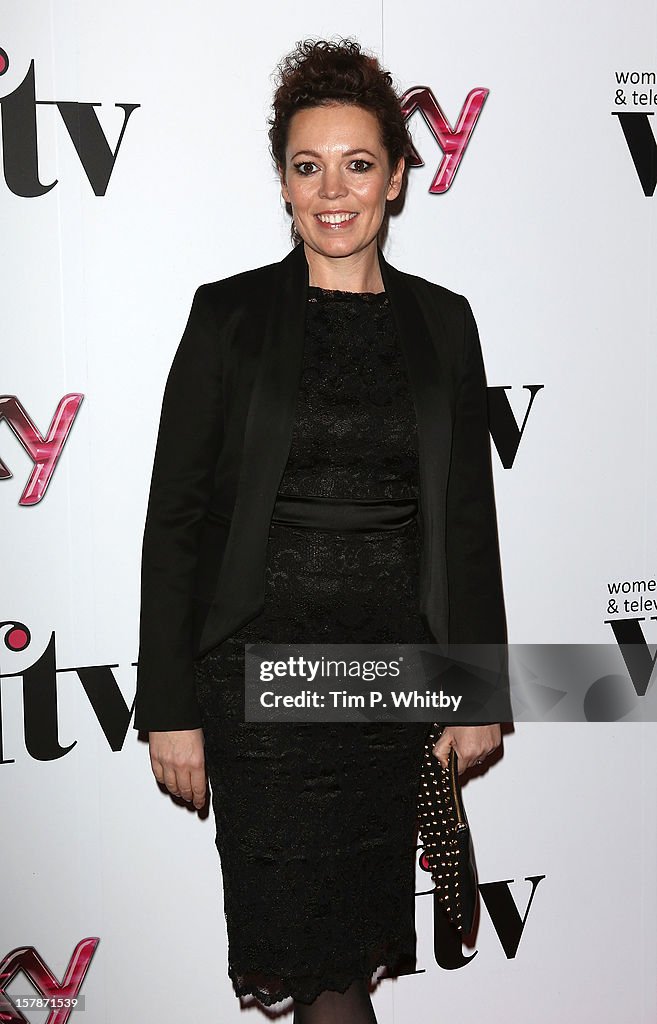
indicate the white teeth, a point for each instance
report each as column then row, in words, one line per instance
column 335, row 218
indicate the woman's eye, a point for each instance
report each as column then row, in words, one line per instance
column 360, row 165
column 306, row 167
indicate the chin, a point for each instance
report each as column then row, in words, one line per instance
column 338, row 247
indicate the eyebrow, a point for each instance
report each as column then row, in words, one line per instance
column 349, row 152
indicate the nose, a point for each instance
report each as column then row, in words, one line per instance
column 332, row 184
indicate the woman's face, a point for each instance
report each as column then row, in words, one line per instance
column 337, row 178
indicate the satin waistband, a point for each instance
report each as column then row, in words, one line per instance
column 344, row 514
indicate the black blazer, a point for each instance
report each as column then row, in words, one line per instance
column 223, row 442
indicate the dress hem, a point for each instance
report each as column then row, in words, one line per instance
column 308, row 996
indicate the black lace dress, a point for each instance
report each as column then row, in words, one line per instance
column 315, row 822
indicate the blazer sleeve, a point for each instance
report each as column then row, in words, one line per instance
column 188, row 442
column 476, row 599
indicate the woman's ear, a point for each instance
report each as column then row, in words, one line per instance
column 284, row 190
column 396, row 179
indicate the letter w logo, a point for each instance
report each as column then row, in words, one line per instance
column 44, row 451
column 642, row 146
column 452, row 141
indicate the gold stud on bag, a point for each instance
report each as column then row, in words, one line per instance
column 445, row 835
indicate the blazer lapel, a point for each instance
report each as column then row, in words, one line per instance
column 267, row 439
column 423, row 342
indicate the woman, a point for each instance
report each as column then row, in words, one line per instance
column 322, row 474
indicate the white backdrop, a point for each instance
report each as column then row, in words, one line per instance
column 547, row 230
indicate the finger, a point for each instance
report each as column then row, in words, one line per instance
column 184, row 784
column 199, row 786
column 158, row 770
column 171, row 780
column 478, row 759
column 441, row 750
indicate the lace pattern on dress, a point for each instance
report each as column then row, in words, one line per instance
column 316, row 821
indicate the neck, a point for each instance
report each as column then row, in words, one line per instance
column 359, row 272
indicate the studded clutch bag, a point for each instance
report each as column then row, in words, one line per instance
column 445, row 835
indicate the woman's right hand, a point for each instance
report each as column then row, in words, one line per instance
column 178, row 761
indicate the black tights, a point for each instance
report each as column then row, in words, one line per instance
column 352, row 1007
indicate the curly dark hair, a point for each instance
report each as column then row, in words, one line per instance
column 319, row 72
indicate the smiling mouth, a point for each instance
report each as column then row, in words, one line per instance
column 335, row 219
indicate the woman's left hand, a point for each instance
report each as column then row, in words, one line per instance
column 472, row 743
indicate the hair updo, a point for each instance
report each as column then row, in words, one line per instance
column 319, row 72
